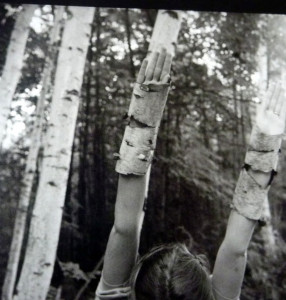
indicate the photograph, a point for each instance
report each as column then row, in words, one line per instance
column 142, row 153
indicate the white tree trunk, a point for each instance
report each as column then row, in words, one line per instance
column 13, row 64
column 25, row 195
column 166, row 31
column 165, row 35
column 267, row 232
column 47, row 214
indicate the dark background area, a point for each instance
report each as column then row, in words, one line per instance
column 200, row 149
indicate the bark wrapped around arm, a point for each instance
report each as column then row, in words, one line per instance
column 262, row 156
column 144, row 115
column 250, row 194
column 139, row 140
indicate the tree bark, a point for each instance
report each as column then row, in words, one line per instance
column 30, row 170
column 165, row 35
column 267, row 233
column 47, row 213
column 235, row 129
column 166, row 31
column 13, row 64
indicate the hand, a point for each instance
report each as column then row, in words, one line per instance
column 271, row 113
column 157, row 69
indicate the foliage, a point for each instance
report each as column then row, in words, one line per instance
column 6, row 25
column 12, row 167
column 72, row 270
column 200, row 148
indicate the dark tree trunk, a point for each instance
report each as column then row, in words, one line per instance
column 128, row 32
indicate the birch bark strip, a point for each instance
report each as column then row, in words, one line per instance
column 13, row 64
column 47, row 214
column 25, row 195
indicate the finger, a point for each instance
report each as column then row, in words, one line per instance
column 273, row 99
column 166, row 79
column 267, row 97
column 159, row 65
column 283, row 105
column 141, row 74
column 152, row 65
column 167, row 66
column 279, row 101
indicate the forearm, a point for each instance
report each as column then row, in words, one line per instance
column 129, row 202
column 230, row 263
column 123, row 243
column 117, row 271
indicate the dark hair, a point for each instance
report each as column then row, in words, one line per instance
column 171, row 272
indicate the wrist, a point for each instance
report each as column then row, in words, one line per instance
column 263, row 151
column 139, row 140
column 256, row 176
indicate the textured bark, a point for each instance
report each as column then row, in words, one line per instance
column 30, row 170
column 242, row 105
column 267, row 233
column 13, row 64
column 47, row 213
column 166, row 31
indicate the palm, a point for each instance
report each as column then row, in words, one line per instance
column 270, row 117
column 157, row 69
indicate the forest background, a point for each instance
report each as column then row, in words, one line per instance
column 222, row 63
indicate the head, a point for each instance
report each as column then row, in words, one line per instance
column 171, row 272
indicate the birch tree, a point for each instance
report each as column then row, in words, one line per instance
column 270, row 63
column 47, row 213
column 25, row 195
column 271, row 68
column 13, row 64
column 267, row 232
column 165, row 35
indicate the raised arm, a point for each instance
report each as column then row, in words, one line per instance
column 123, row 243
column 250, row 193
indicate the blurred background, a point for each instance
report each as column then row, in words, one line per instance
column 222, row 64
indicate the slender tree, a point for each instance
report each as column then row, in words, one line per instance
column 166, row 31
column 13, row 64
column 30, row 170
column 165, row 35
column 128, row 33
column 47, row 213
column 264, row 71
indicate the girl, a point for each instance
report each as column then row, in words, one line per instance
column 171, row 271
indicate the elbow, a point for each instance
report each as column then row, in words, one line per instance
column 240, row 253
column 235, row 249
column 126, row 227
column 127, row 219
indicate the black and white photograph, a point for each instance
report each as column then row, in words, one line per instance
column 142, row 153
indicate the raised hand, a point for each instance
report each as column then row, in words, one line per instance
column 156, row 68
column 271, row 113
